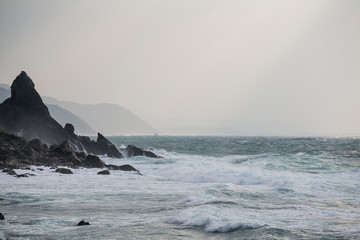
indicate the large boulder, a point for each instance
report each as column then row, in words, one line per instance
column 92, row 161
column 132, row 151
column 36, row 144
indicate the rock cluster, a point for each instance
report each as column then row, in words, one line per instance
column 17, row 153
column 132, row 151
column 30, row 136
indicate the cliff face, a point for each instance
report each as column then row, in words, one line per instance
column 25, row 114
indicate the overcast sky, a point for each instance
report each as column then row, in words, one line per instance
column 280, row 67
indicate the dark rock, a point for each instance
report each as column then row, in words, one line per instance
column 2, row 217
column 12, row 172
column 69, row 128
column 40, row 169
column 83, row 223
column 132, row 151
column 102, row 146
column 104, row 172
column 22, row 175
column 93, row 162
column 64, row 149
column 127, row 167
column 64, row 171
column 36, row 144
column 6, row 170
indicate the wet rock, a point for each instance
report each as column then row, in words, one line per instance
column 127, row 167
column 64, row 171
column 69, row 128
column 2, row 217
column 104, row 172
column 132, row 151
column 93, row 162
column 83, row 223
column 22, row 175
column 36, row 144
column 12, row 173
column 102, row 146
column 64, row 149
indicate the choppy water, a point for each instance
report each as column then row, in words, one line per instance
column 203, row 188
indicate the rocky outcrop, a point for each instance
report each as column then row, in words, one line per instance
column 104, row 172
column 2, row 217
column 17, row 153
column 94, row 162
column 101, row 146
column 83, row 223
column 132, row 151
column 25, row 114
column 64, row 171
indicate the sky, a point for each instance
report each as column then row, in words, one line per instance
column 250, row 67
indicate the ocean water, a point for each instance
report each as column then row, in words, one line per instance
column 203, row 188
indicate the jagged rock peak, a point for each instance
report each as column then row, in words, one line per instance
column 101, row 137
column 23, row 90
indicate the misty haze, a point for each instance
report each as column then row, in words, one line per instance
column 165, row 119
column 202, row 67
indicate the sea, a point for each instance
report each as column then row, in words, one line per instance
column 202, row 188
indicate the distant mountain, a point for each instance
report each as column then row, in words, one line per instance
column 110, row 119
column 5, row 93
column 61, row 115
column 3, row 85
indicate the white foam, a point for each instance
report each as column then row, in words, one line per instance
column 212, row 219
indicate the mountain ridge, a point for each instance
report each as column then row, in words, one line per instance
column 98, row 114
column 108, row 118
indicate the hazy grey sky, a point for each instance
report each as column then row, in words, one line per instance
column 269, row 67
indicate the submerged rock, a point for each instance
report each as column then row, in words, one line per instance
column 83, row 223
column 22, row 175
column 64, row 171
column 12, row 172
column 2, row 217
column 127, row 167
column 104, row 172
column 132, row 151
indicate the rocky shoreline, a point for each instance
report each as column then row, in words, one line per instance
column 29, row 136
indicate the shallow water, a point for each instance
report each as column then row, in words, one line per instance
column 203, row 188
